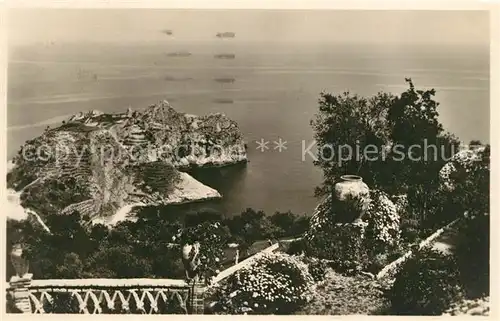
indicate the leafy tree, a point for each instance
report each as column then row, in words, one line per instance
column 147, row 247
column 395, row 142
column 344, row 122
column 289, row 224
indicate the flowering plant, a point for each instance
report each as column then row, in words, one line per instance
column 317, row 267
column 383, row 230
column 274, row 284
column 463, row 161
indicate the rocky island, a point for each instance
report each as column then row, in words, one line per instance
column 102, row 165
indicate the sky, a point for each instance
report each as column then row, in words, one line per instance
column 29, row 26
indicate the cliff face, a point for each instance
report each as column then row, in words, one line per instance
column 182, row 140
column 98, row 163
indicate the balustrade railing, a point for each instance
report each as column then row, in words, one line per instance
column 110, row 296
column 94, row 296
column 115, row 296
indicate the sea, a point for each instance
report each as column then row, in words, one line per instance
column 270, row 89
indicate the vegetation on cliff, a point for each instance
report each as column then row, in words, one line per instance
column 97, row 163
column 148, row 247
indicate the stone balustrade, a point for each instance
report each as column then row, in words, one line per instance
column 94, row 296
column 116, row 296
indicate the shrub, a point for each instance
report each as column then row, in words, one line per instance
column 472, row 251
column 274, row 284
column 426, row 285
column 382, row 233
column 341, row 244
column 374, row 264
column 289, row 224
column 468, row 184
column 296, row 247
column 317, row 268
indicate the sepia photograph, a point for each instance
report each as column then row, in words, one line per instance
column 247, row 161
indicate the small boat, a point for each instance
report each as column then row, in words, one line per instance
column 225, row 35
column 227, row 80
column 179, row 54
column 225, row 56
column 223, row 101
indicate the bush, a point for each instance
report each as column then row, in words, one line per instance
column 472, row 251
column 296, row 247
column 374, row 264
column 426, row 285
column 275, row 284
column 317, row 268
column 467, row 179
column 383, row 232
column 341, row 244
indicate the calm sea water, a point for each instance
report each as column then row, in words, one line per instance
column 274, row 95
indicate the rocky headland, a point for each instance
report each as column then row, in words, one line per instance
column 102, row 165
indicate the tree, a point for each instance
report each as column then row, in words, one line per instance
column 343, row 123
column 471, row 194
column 395, row 142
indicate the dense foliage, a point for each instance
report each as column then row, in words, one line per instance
column 252, row 226
column 148, row 247
column 72, row 250
column 55, row 193
column 383, row 231
column 317, row 268
column 419, row 181
column 365, row 245
column 395, row 132
column 274, row 284
column 213, row 239
column 427, row 284
column 469, row 181
column 342, row 244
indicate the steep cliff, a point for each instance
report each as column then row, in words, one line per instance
column 97, row 163
column 162, row 133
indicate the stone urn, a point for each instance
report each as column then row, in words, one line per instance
column 190, row 259
column 352, row 188
column 19, row 262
